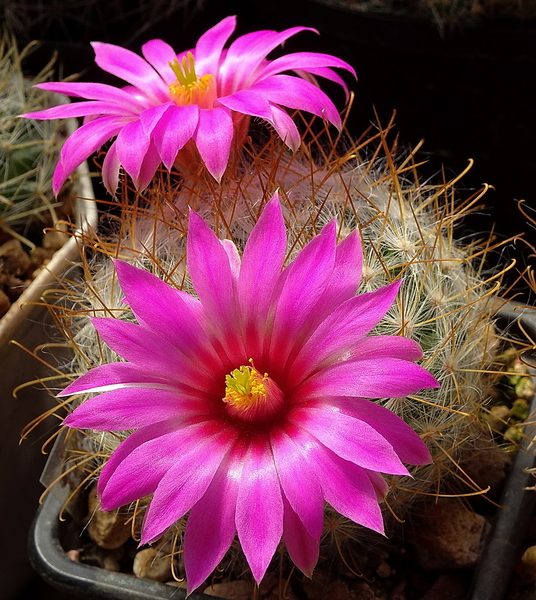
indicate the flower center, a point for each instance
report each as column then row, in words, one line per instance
column 188, row 88
column 251, row 396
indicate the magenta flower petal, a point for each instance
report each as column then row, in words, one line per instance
column 345, row 485
column 173, row 314
column 259, row 494
column 131, row 464
column 113, row 376
column 96, row 91
column 379, row 483
column 81, row 109
column 211, row 527
column 187, row 480
column 331, row 76
column 302, row 547
column 159, row 54
column 233, row 257
column 176, row 127
column 213, row 139
column 59, row 178
column 234, row 73
column 341, row 329
column 300, row 487
column 211, row 275
column 344, row 279
column 128, row 481
column 286, row 128
column 149, row 165
column 248, row 102
column 296, row 93
column 406, row 443
column 152, row 300
column 249, row 398
column 375, row 347
column 152, row 434
column 212, row 91
column 247, row 53
column 305, row 61
column 384, row 345
column 346, row 274
column 131, row 146
column 349, row 490
column 303, row 283
column 152, row 353
column 210, row 46
column 340, row 380
column 262, row 262
column 131, row 68
column 110, row 170
column 349, row 438
column 130, row 408
column 150, row 119
column 83, row 142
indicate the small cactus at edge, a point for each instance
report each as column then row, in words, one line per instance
column 29, row 149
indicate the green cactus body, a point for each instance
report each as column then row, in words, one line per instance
column 29, row 149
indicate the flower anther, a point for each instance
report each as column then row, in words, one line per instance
column 251, row 396
column 188, row 88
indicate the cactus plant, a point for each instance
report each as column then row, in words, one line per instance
column 407, row 227
column 28, row 149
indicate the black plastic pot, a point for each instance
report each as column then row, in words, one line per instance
column 84, row 581
column 491, row 578
column 501, row 552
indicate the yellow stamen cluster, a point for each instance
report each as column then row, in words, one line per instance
column 188, row 88
column 245, row 388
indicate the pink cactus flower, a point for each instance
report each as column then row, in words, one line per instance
column 251, row 401
column 204, row 97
